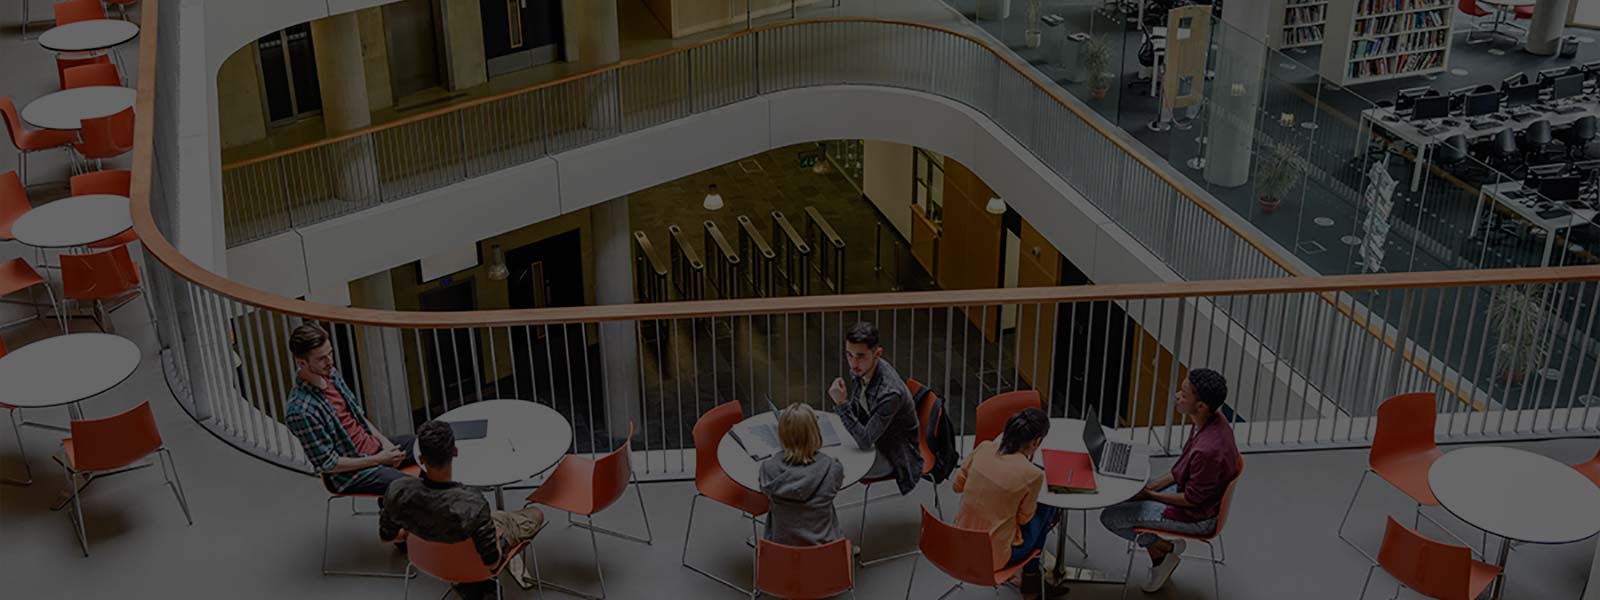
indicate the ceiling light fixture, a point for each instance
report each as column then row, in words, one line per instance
column 497, row 264
column 996, row 206
column 713, row 199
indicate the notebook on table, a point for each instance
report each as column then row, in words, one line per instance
column 829, row 436
column 470, row 430
column 1067, row 472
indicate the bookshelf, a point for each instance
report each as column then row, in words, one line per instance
column 1299, row 23
column 1377, row 40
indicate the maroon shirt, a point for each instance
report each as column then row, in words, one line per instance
column 1209, row 462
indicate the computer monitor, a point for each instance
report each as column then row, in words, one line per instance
column 1524, row 94
column 1591, row 69
column 1552, row 73
column 1561, row 189
column 1406, row 98
column 1431, row 107
column 1567, row 86
column 1482, row 103
column 1514, row 79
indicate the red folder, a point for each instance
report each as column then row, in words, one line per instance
column 1067, row 472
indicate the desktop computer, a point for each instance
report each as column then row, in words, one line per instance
column 1563, row 188
column 1431, row 107
column 1566, row 86
column 1482, row 103
column 1405, row 99
column 1523, row 94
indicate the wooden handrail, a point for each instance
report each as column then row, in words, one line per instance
column 157, row 246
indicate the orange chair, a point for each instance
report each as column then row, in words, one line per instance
column 73, row 11
column 993, row 413
column 456, row 562
column 583, row 486
column 963, row 554
column 17, row 275
column 27, row 142
column 925, row 419
column 91, row 75
column 712, row 482
column 1402, row 452
column 122, row 7
column 804, row 572
column 1590, row 469
column 102, row 447
column 13, row 203
column 1216, row 554
column 16, row 428
column 106, row 137
column 116, row 182
column 99, row 277
column 1471, row 9
column 67, row 62
column 327, row 510
column 1523, row 12
column 1436, row 570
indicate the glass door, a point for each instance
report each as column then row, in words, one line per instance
column 518, row 34
column 288, row 68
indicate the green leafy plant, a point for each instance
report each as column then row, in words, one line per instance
column 1279, row 172
column 1517, row 315
column 1096, row 58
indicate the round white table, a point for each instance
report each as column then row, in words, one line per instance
column 88, row 36
column 68, row 109
column 1067, row 434
column 67, row 369
column 1516, row 495
column 523, row 439
column 1503, row 13
column 75, row 221
column 747, row 472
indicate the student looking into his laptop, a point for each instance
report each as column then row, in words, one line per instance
column 1185, row 500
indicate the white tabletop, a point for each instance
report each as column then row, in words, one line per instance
column 746, row 471
column 524, row 439
column 1067, row 434
column 74, row 221
column 86, row 36
column 1498, row 192
column 67, row 109
column 1509, row 3
column 1516, row 494
column 65, row 369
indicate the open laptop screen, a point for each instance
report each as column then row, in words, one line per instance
column 1094, row 438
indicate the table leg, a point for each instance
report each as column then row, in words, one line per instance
column 1062, row 573
column 1500, row 561
column 499, row 497
column 1477, row 212
column 1420, row 163
column 1361, row 127
column 1549, row 246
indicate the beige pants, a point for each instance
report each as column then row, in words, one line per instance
column 515, row 527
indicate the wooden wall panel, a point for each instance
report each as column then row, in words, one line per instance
column 970, row 248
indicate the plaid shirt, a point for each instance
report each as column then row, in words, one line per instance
column 312, row 421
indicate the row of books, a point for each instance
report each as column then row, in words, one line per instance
column 1399, row 23
column 1391, row 45
column 1397, row 64
column 1310, row 14
column 1302, row 35
column 1376, row 7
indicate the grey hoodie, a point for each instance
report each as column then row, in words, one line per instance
column 802, row 511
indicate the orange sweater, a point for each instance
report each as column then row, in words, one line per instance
column 998, row 492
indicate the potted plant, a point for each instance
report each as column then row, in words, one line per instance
column 1516, row 315
column 1096, row 60
column 1277, row 174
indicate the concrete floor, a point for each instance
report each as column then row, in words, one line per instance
column 257, row 529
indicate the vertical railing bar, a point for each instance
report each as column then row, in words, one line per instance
column 1136, row 356
column 572, row 390
column 1072, row 345
column 1572, row 330
column 494, row 361
column 477, row 372
column 422, row 374
column 1594, row 374
column 677, row 380
column 511, row 357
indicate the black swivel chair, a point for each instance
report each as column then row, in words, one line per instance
column 1580, row 135
column 1452, row 153
column 1504, row 156
column 1147, row 59
column 1536, row 140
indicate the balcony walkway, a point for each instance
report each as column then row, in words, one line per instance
column 256, row 531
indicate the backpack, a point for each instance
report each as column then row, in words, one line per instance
column 941, row 437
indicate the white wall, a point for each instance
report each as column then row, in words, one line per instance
column 886, row 180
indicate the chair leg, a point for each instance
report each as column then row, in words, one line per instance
column 594, row 544
column 1346, row 518
column 175, row 483
column 648, row 537
column 1216, row 580
column 77, row 511
column 405, row 592
column 327, row 512
column 1127, row 577
column 913, row 578
column 22, row 453
column 1366, row 583
column 683, row 558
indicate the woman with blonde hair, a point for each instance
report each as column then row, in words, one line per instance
column 801, row 483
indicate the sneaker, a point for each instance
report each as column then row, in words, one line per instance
column 1159, row 574
column 519, row 573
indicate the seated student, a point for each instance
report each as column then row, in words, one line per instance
column 1000, row 494
column 438, row 509
column 801, row 482
column 877, row 410
column 1187, row 499
column 331, row 424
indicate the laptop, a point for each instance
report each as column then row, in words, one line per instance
column 824, row 426
column 1113, row 458
column 469, row 430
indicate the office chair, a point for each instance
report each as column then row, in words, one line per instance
column 1536, row 139
column 1504, row 155
column 1147, row 60
column 1452, row 154
column 1580, row 135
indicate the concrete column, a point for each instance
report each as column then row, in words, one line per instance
column 1236, row 96
column 592, row 32
column 465, row 63
column 613, row 284
column 383, row 360
column 340, row 73
column 1549, row 21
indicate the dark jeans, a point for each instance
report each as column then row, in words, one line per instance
column 376, row 480
column 1033, row 534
